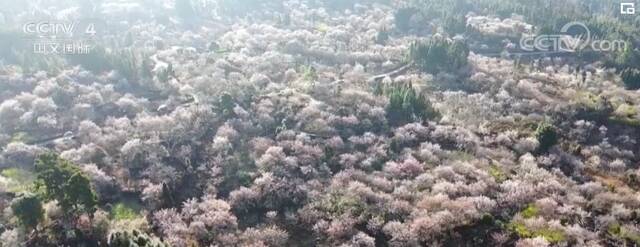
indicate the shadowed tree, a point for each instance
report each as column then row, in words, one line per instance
column 439, row 55
column 28, row 209
column 134, row 238
column 406, row 105
column 547, row 137
column 61, row 180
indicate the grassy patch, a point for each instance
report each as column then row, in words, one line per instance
column 592, row 107
column 625, row 121
column 21, row 137
column 497, row 174
column 530, row 212
column 625, row 114
column 626, row 110
column 521, row 230
column 553, row 235
column 614, row 229
column 523, row 126
column 550, row 234
column 461, row 156
column 18, row 180
column 588, row 100
column 620, row 232
column 122, row 211
column 337, row 204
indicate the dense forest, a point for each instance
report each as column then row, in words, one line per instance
column 358, row 123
